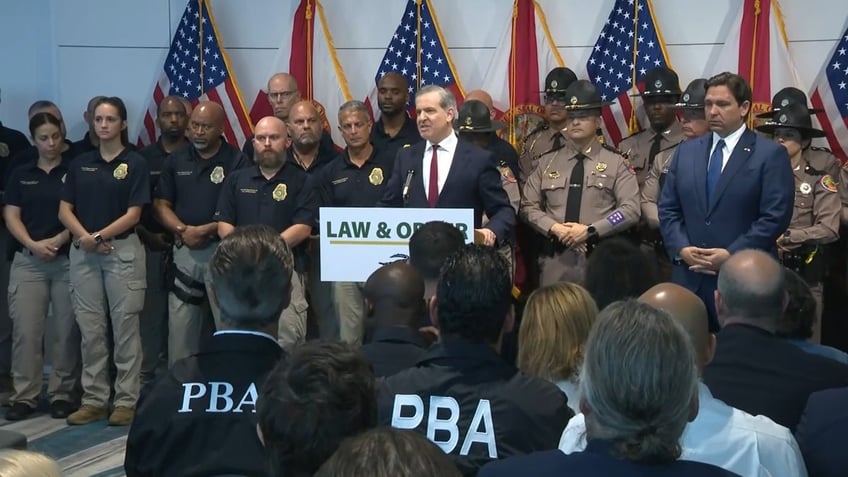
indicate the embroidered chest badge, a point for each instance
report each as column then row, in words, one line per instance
column 280, row 192
column 217, row 175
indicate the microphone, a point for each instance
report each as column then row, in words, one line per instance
column 406, row 184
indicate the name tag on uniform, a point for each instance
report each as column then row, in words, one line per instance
column 29, row 182
column 340, row 181
column 88, row 169
column 184, row 173
column 248, row 191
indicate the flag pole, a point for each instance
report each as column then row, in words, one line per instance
column 200, row 44
column 757, row 11
column 512, row 68
column 309, row 93
column 632, row 123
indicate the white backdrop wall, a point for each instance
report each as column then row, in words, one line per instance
column 70, row 50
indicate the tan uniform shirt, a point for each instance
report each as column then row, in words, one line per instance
column 817, row 205
column 651, row 188
column 534, row 147
column 610, row 199
column 637, row 148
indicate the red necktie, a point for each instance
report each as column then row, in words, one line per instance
column 433, row 189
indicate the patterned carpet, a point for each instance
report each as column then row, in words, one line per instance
column 94, row 450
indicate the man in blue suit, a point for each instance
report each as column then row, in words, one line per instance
column 726, row 191
column 823, row 431
column 444, row 172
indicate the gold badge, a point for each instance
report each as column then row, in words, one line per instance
column 4, row 149
column 376, row 176
column 601, row 167
column 468, row 121
column 574, row 100
column 553, row 175
column 217, row 175
column 806, row 188
column 120, row 172
column 554, row 83
column 280, row 192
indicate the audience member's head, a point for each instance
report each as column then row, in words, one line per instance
column 393, row 295
column 251, row 272
column 206, row 125
column 484, row 97
column 689, row 311
column 388, row 452
column 638, row 383
column 554, row 328
column 304, row 125
column 47, row 106
column 107, row 110
column 473, row 298
column 429, row 247
column 618, row 269
column 798, row 319
column 392, row 94
column 172, row 118
column 282, row 94
column 21, row 463
column 751, row 290
column 323, row 393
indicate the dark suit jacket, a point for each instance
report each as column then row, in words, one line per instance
column 823, row 432
column 176, row 434
column 760, row 373
column 594, row 461
column 750, row 207
column 473, row 182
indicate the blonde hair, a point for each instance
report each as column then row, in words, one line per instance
column 553, row 333
column 21, row 463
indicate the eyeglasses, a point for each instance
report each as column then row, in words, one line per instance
column 281, row 95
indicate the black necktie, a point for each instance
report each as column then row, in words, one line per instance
column 655, row 149
column 575, row 191
column 557, row 141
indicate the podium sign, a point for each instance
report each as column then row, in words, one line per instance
column 355, row 241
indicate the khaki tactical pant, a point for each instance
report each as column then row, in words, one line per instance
column 189, row 323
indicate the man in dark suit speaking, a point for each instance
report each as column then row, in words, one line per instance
column 725, row 191
column 444, row 172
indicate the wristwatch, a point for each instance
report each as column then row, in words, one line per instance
column 591, row 231
column 98, row 238
column 76, row 242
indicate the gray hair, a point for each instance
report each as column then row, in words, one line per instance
column 752, row 289
column 251, row 272
column 639, row 380
column 354, row 106
column 446, row 98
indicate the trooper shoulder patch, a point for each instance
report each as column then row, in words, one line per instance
column 506, row 174
column 828, row 183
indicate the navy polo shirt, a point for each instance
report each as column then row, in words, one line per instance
column 286, row 199
column 321, row 160
column 101, row 191
column 408, row 135
column 192, row 184
column 37, row 193
column 29, row 155
column 344, row 184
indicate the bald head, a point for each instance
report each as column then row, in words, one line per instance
column 483, row 97
column 209, row 110
column 393, row 294
column 206, row 126
column 688, row 310
column 751, row 289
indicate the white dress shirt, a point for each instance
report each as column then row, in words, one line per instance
column 445, row 153
column 571, row 388
column 730, row 143
column 751, row 446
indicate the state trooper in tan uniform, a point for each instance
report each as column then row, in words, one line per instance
column 693, row 123
column 578, row 196
column 815, row 220
column 550, row 135
column 788, row 96
column 662, row 91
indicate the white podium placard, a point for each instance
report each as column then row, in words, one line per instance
column 356, row 240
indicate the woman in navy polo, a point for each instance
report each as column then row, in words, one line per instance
column 101, row 205
column 39, row 276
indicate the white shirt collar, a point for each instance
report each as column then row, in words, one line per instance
column 449, row 143
column 245, row 332
column 731, row 140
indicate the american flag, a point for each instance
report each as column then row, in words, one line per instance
column 629, row 46
column 830, row 93
column 422, row 63
column 197, row 68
